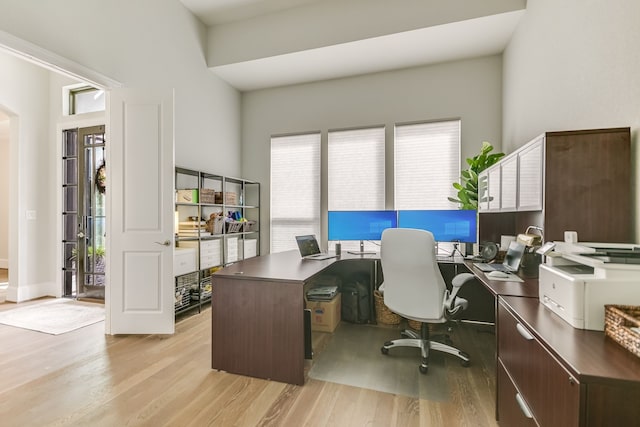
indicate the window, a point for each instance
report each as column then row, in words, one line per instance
column 295, row 189
column 356, row 179
column 86, row 100
column 427, row 162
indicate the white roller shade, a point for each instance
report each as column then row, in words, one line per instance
column 295, row 189
column 427, row 162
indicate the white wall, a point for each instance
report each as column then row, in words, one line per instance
column 146, row 43
column 4, row 191
column 573, row 64
column 469, row 89
column 24, row 90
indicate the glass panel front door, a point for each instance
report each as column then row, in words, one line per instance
column 84, row 214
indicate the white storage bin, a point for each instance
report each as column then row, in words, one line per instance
column 250, row 248
column 184, row 261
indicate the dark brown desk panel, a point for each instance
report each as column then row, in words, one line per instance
column 527, row 288
column 258, row 328
column 257, row 315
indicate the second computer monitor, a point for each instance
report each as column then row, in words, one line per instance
column 359, row 225
column 445, row 225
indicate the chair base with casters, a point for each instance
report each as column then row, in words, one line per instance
column 425, row 343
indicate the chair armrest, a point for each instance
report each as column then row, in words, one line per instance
column 461, row 279
column 453, row 305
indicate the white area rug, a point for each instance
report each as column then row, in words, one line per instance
column 55, row 317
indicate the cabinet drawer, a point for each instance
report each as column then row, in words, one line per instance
column 551, row 392
column 512, row 410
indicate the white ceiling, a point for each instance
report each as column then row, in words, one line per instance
column 483, row 36
column 214, row 12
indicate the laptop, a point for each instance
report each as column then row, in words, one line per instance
column 309, row 248
column 511, row 261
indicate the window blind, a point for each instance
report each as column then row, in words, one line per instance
column 356, row 169
column 295, row 189
column 356, row 176
column 427, row 162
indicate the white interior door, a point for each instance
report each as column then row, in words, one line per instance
column 140, row 175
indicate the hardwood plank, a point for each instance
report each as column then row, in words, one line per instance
column 87, row 378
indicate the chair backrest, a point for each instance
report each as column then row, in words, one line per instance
column 413, row 284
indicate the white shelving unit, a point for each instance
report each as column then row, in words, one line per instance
column 202, row 248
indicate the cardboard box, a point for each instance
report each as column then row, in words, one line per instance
column 325, row 315
column 187, row 196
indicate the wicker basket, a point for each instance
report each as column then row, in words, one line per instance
column 414, row 324
column 250, row 226
column 618, row 321
column 207, row 195
column 383, row 314
column 234, row 226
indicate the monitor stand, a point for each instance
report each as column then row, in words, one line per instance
column 361, row 251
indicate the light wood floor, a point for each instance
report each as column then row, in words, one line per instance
column 4, row 277
column 86, row 378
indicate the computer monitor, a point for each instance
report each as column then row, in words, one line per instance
column 445, row 225
column 360, row 225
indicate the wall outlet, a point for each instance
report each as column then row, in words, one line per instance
column 31, row 214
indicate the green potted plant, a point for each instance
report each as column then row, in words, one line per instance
column 467, row 196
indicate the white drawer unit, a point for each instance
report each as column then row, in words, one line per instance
column 210, row 252
column 184, row 261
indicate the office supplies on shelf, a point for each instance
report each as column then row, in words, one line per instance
column 309, row 248
column 582, row 278
column 511, row 261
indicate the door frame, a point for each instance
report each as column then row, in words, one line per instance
column 44, row 58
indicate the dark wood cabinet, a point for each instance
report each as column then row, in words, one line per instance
column 559, row 375
column 574, row 180
column 551, row 393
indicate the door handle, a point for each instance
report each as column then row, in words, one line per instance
column 165, row 243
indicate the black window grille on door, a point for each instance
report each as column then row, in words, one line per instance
column 84, row 213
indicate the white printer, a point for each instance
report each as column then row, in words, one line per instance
column 578, row 279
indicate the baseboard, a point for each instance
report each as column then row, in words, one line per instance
column 33, row 291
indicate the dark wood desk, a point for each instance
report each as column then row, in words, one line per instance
column 527, row 288
column 565, row 376
column 258, row 315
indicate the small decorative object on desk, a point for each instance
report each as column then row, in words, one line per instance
column 622, row 324
column 383, row 314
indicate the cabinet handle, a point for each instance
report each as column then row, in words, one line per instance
column 523, row 331
column 523, row 406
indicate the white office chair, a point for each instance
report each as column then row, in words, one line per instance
column 414, row 288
